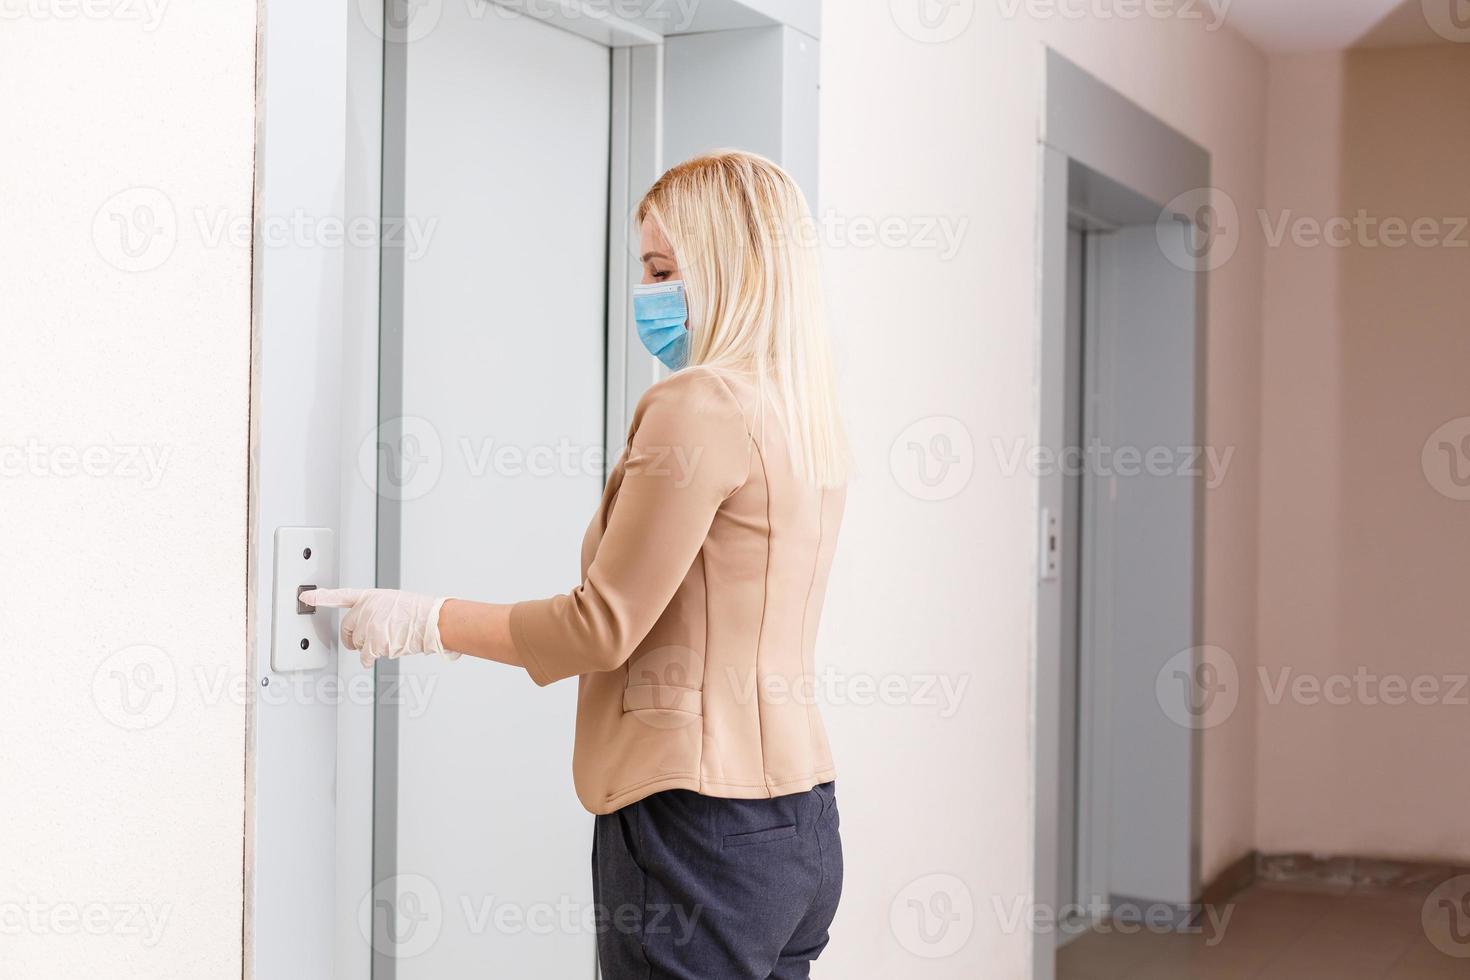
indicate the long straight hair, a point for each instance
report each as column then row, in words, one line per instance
column 747, row 251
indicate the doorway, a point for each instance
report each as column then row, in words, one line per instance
column 491, row 393
column 491, row 359
column 441, row 400
column 1120, row 510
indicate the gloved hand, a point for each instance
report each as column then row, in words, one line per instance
column 383, row 622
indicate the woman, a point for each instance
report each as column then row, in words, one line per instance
column 716, row 852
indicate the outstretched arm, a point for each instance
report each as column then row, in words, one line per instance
column 479, row 629
column 689, row 451
column 387, row 623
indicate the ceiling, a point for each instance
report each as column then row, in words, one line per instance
column 1282, row 26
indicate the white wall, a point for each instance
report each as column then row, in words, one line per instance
column 939, row 347
column 123, row 423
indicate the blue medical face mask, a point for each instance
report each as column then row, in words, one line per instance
column 661, row 310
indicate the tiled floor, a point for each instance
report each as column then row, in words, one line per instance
column 1303, row 929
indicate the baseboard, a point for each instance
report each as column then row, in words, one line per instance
column 1237, row 876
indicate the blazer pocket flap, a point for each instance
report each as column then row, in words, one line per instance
column 642, row 697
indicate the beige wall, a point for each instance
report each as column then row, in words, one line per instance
column 1363, row 540
column 123, row 418
column 935, row 808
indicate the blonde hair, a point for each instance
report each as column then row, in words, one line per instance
column 744, row 240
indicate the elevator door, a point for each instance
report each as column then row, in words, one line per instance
column 505, row 150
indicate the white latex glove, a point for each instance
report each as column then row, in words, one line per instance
column 383, row 622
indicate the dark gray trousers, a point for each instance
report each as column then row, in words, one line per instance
column 692, row 887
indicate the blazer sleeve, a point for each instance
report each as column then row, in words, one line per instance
column 689, row 450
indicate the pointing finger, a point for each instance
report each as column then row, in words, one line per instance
column 332, row 598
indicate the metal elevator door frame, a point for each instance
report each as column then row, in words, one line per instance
column 1103, row 159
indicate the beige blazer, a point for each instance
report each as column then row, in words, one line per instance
column 703, row 573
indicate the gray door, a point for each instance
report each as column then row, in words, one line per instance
column 505, row 134
column 1147, row 503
